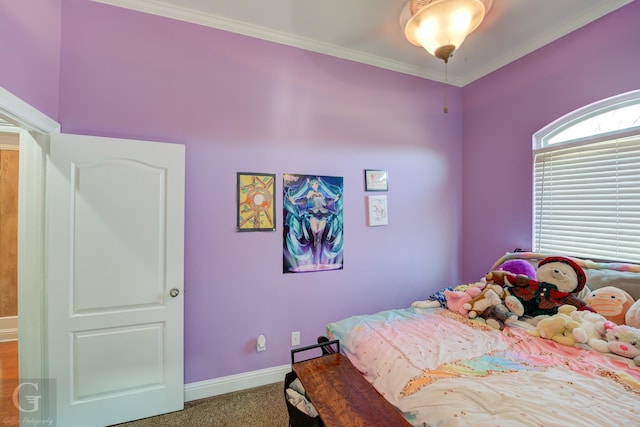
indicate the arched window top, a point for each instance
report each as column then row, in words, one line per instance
column 586, row 180
column 613, row 117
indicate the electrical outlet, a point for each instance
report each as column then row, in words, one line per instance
column 261, row 343
column 295, row 338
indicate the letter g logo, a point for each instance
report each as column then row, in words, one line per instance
column 33, row 400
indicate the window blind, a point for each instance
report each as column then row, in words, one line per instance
column 587, row 200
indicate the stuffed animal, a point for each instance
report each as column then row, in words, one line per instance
column 491, row 296
column 457, row 299
column 430, row 303
column 624, row 341
column 497, row 316
column 439, row 298
column 519, row 266
column 558, row 327
column 516, row 267
column 557, row 280
column 514, row 305
column 632, row 318
column 611, row 302
column 591, row 330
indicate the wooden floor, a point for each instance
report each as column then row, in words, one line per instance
column 8, row 382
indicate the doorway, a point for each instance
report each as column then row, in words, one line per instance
column 9, row 161
column 8, row 233
column 33, row 128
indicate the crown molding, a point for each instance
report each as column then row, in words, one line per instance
column 546, row 37
column 159, row 8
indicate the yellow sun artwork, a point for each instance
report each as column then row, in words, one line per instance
column 256, row 206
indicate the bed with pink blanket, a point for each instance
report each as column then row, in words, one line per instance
column 440, row 368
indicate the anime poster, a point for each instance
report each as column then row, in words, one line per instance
column 312, row 219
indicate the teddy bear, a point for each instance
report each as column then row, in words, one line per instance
column 490, row 296
column 557, row 281
column 497, row 316
column 490, row 307
column 611, row 302
column 591, row 330
column 557, row 327
column 624, row 341
column 516, row 267
column 632, row 318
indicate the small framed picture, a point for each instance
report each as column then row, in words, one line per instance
column 377, row 210
column 376, row 180
column 256, row 207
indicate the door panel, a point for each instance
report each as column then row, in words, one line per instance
column 118, row 253
column 114, row 251
column 98, row 368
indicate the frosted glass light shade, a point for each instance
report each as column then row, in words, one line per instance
column 442, row 25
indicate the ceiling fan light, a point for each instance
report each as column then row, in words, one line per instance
column 443, row 23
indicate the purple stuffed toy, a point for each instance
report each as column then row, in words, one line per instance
column 519, row 266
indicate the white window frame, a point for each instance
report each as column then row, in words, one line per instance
column 620, row 249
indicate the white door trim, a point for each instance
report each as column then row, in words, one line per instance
column 24, row 115
column 33, row 151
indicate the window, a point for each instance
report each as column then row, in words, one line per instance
column 587, row 182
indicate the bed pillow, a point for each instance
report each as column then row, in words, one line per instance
column 584, row 292
column 626, row 280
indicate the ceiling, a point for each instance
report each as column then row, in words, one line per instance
column 369, row 31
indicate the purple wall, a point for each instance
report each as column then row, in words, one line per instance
column 30, row 34
column 242, row 104
column 505, row 108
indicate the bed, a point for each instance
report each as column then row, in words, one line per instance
column 440, row 368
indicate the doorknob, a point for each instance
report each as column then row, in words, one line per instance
column 174, row 292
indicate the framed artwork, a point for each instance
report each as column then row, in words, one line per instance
column 312, row 223
column 377, row 207
column 375, row 180
column 256, row 207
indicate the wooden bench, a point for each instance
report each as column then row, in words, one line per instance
column 342, row 396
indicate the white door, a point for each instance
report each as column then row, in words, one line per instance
column 114, row 263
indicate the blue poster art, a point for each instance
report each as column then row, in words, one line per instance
column 312, row 216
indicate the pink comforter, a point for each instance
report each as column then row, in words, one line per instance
column 442, row 370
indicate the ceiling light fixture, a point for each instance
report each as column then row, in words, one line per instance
column 440, row 26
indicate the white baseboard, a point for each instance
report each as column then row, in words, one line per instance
column 231, row 383
column 8, row 328
column 193, row 391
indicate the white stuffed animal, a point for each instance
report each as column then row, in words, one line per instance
column 591, row 330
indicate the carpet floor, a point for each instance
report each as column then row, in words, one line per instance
column 255, row 407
